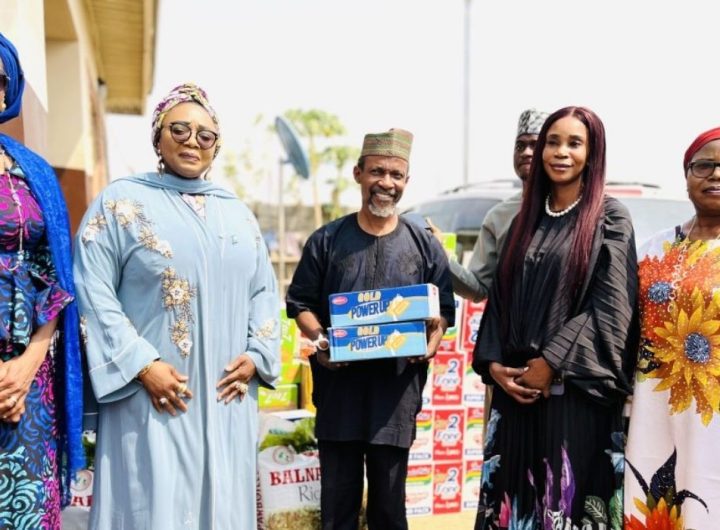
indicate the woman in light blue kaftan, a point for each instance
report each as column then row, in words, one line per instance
column 175, row 269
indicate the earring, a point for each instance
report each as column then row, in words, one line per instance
column 3, row 105
column 206, row 176
column 160, row 166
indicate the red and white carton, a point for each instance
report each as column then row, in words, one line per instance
column 448, row 435
column 473, row 437
column 447, row 487
column 473, row 387
column 421, row 451
column 471, row 484
column 472, row 314
column 447, row 379
column 449, row 342
column 419, row 490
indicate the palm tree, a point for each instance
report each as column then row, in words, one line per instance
column 339, row 156
column 314, row 124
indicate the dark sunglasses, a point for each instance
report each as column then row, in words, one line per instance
column 4, row 80
column 181, row 133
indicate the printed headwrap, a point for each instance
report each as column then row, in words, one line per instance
column 530, row 122
column 187, row 92
column 395, row 142
column 698, row 143
column 16, row 83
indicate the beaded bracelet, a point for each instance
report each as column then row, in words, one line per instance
column 145, row 369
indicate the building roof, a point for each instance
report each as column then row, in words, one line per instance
column 122, row 35
column 123, row 32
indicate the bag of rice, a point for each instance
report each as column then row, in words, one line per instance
column 289, row 489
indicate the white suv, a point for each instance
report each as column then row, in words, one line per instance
column 463, row 209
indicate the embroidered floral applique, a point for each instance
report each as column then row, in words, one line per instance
column 196, row 202
column 267, row 330
column 180, row 335
column 177, row 295
column 94, row 226
column 128, row 213
column 125, row 211
column 83, row 330
column 149, row 240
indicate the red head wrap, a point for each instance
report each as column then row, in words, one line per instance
column 700, row 141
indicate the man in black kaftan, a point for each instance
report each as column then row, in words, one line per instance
column 366, row 410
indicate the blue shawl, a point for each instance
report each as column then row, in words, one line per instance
column 46, row 190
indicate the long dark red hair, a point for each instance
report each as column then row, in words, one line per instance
column 538, row 186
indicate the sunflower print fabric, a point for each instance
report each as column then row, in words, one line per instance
column 672, row 462
column 680, row 309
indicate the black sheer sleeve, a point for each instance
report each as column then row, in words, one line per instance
column 595, row 350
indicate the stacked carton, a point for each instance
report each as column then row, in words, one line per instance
column 452, row 421
column 381, row 323
column 293, row 387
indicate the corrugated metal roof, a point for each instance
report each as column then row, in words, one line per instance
column 123, row 33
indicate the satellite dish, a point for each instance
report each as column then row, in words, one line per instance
column 296, row 154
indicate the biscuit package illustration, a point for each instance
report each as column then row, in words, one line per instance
column 382, row 306
column 360, row 343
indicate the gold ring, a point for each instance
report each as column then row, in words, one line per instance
column 241, row 387
column 182, row 389
column 163, row 401
column 13, row 400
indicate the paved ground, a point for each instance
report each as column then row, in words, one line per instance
column 460, row 521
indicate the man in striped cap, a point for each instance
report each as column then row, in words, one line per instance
column 389, row 153
column 366, row 410
column 474, row 282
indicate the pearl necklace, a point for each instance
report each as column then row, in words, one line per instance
column 21, row 214
column 561, row 212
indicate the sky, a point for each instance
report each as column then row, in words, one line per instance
column 646, row 68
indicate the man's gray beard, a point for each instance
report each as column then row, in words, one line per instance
column 387, row 211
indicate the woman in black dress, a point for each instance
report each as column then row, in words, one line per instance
column 557, row 341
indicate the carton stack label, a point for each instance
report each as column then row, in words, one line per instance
column 421, row 451
column 472, row 315
column 447, row 379
column 419, row 489
column 453, row 400
column 447, row 487
column 449, row 342
column 471, row 484
column 448, row 437
column 473, row 437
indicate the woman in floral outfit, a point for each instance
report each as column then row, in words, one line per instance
column 672, row 467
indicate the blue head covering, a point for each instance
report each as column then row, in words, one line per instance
column 16, row 83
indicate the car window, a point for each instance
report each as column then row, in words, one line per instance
column 457, row 215
column 652, row 215
column 470, row 215
column 464, row 215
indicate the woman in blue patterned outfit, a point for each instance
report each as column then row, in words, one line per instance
column 40, row 382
